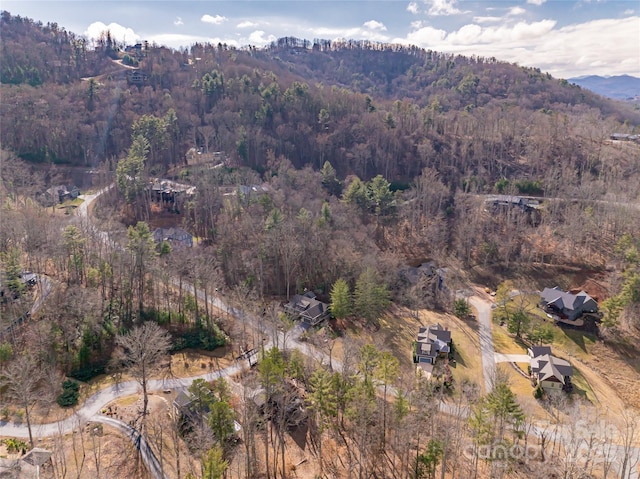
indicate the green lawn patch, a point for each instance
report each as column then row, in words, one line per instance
column 574, row 341
column 581, row 386
column 70, row 203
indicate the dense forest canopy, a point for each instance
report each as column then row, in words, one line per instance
column 317, row 122
column 368, row 108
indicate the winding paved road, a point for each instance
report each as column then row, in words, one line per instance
column 89, row 411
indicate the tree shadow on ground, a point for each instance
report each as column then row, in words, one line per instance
column 578, row 337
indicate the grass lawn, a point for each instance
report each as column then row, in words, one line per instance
column 504, row 343
column 522, row 388
column 468, row 361
column 584, row 353
column 570, row 341
column 399, row 328
column 529, row 302
column 70, row 203
column 582, row 388
column 575, row 342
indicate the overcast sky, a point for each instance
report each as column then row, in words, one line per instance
column 566, row 38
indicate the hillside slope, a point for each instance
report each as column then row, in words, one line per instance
column 368, row 108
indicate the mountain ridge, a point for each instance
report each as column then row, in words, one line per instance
column 368, row 108
column 619, row 87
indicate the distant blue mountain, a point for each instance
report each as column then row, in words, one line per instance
column 621, row 87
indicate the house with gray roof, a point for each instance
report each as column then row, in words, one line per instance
column 307, row 308
column 567, row 304
column 176, row 237
column 432, row 342
column 535, row 351
column 59, row 194
column 549, row 372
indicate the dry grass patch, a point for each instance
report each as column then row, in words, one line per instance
column 523, row 389
column 468, row 360
column 504, row 343
column 399, row 328
column 605, row 395
column 127, row 401
column 605, row 369
column 192, row 363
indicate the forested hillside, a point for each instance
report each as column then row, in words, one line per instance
column 370, row 109
column 438, row 125
column 229, row 182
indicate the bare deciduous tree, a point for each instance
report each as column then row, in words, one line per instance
column 628, row 429
column 22, row 381
column 141, row 352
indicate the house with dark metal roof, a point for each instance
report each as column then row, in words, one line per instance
column 176, row 237
column 535, row 351
column 307, row 308
column 568, row 304
column 432, row 342
column 59, row 194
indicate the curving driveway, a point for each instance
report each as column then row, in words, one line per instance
column 511, row 358
column 141, row 443
column 486, row 341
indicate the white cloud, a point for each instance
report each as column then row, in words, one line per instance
column 417, row 24
column 178, row 21
column 214, row 20
column 536, row 2
column 442, row 7
column 521, row 31
column 628, row 12
column 374, row 25
column 413, row 8
column 357, row 33
column 118, row 32
column 427, row 37
column 487, row 19
column 595, row 47
column 258, row 38
column 247, row 24
column 512, row 12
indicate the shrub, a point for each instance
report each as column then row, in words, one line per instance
column 6, row 351
column 538, row 392
column 200, row 339
column 69, row 395
column 89, row 372
column 461, row 308
column 15, row 445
